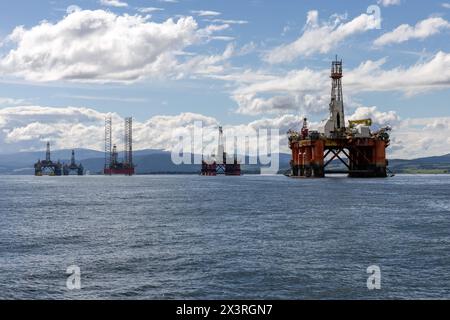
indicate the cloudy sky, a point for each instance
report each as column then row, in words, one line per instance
column 250, row 64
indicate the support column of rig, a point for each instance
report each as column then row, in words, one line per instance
column 307, row 154
column 367, row 158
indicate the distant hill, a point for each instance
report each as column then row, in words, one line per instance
column 146, row 163
column 158, row 161
column 92, row 160
column 439, row 164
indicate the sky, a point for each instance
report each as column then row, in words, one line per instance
column 65, row 65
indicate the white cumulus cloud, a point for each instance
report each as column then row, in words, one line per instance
column 29, row 128
column 422, row 30
column 100, row 46
column 321, row 37
column 308, row 91
column 430, row 75
column 421, row 137
column 378, row 118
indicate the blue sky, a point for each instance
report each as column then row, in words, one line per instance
column 235, row 61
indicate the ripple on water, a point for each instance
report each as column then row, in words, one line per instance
column 187, row 237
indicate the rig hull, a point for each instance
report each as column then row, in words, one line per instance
column 223, row 166
column 365, row 157
column 114, row 171
column 215, row 169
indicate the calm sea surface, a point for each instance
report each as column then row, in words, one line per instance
column 252, row 237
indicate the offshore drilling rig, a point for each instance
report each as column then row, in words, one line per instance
column 365, row 151
column 73, row 167
column 47, row 166
column 220, row 164
column 112, row 164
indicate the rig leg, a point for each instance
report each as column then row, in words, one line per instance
column 368, row 161
column 317, row 161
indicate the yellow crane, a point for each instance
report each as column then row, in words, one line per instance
column 364, row 122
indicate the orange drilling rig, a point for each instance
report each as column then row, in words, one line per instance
column 361, row 151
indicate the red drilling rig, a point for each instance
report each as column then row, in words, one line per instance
column 112, row 164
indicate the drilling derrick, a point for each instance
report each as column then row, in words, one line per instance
column 219, row 165
column 112, row 164
column 335, row 126
column 361, row 152
column 114, row 157
column 221, row 159
column 47, row 166
column 47, row 153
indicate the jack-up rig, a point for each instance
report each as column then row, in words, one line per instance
column 112, row 164
column 365, row 150
column 220, row 163
column 73, row 167
column 47, row 166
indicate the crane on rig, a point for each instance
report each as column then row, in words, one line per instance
column 362, row 122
